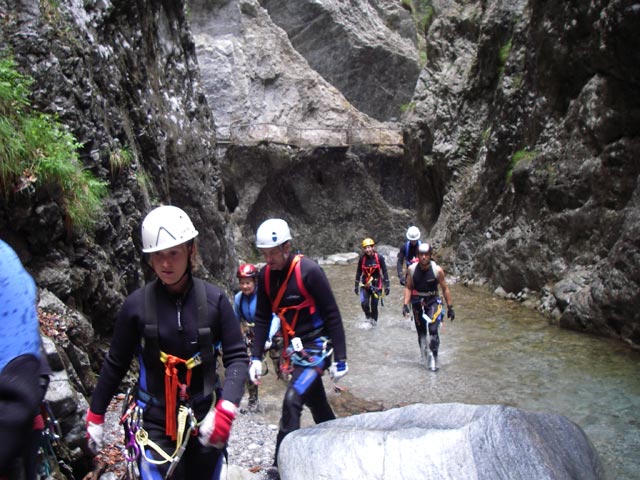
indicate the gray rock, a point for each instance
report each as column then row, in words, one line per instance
column 441, row 441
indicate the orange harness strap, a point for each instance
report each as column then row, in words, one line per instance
column 171, row 383
column 368, row 271
column 288, row 329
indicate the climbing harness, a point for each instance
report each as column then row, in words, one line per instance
column 50, row 464
column 368, row 272
column 138, row 444
column 437, row 314
column 183, row 424
column 293, row 350
column 205, row 356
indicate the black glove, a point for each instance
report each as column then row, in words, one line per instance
column 403, row 282
column 405, row 310
column 386, row 291
column 450, row 313
column 356, row 289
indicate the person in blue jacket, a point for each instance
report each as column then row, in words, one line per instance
column 23, row 368
column 244, row 305
column 408, row 253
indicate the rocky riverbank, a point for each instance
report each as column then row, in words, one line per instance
column 253, row 435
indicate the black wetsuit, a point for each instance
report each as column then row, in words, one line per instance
column 177, row 335
column 426, row 303
column 372, row 275
column 407, row 254
column 305, row 386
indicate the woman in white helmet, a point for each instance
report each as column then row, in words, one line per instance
column 172, row 324
column 297, row 290
column 408, row 252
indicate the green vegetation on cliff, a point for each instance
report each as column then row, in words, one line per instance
column 38, row 154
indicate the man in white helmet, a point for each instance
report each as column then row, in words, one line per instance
column 421, row 291
column 408, row 252
column 297, row 290
column 172, row 324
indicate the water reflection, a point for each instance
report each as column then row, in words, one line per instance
column 495, row 352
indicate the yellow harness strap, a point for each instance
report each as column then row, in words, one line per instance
column 436, row 314
column 142, row 437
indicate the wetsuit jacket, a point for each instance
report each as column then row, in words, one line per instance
column 425, row 282
column 406, row 254
column 327, row 321
column 381, row 270
column 177, row 333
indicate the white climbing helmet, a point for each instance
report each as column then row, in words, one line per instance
column 272, row 232
column 413, row 233
column 424, row 248
column 165, row 227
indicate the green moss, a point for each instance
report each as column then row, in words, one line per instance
column 38, row 152
column 503, row 55
column 119, row 160
column 407, row 107
column 516, row 158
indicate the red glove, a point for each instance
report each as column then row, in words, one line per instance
column 216, row 426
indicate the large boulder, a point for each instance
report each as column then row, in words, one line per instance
column 442, row 441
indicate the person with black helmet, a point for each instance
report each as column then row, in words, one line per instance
column 421, row 291
column 408, row 252
column 372, row 280
column 172, row 325
column 244, row 305
column 298, row 291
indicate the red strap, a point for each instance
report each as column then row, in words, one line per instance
column 370, row 270
column 171, row 384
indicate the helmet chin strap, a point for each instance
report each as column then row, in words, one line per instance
column 177, row 281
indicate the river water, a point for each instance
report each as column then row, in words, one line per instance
column 495, row 352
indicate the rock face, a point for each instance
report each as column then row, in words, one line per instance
column 518, row 153
column 527, row 152
column 122, row 77
column 291, row 142
column 441, row 441
column 367, row 49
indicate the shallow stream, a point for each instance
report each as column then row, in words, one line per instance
column 495, row 352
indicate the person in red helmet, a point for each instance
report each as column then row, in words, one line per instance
column 421, row 291
column 173, row 325
column 244, row 305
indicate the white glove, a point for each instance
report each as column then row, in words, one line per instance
column 338, row 370
column 267, row 345
column 255, row 371
column 95, row 432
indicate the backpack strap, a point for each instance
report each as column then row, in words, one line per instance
column 205, row 333
column 205, row 338
column 151, row 343
column 303, row 289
